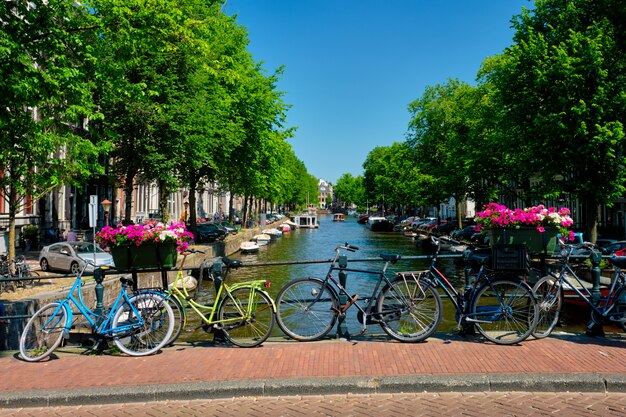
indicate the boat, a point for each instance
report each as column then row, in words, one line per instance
column 262, row 239
column 249, row 247
column 306, row 220
column 284, row 227
column 362, row 219
column 379, row 224
column 290, row 224
column 273, row 233
column 338, row 217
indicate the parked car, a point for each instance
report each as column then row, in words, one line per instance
column 444, row 228
column 614, row 247
column 71, row 256
column 464, row 234
column 209, row 232
column 603, row 243
column 229, row 227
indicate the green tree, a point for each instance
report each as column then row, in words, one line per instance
column 350, row 190
column 563, row 90
column 45, row 97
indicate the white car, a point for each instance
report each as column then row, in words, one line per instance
column 71, row 256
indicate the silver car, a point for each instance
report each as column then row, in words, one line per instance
column 71, row 256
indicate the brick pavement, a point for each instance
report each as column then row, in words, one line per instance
column 208, row 370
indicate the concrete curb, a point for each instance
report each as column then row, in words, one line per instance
column 313, row 386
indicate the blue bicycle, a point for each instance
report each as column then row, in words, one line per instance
column 139, row 324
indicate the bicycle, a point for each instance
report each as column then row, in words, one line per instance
column 549, row 292
column 503, row 310
column 139, row 324
column 15, row 273
column 307, row 308
column 244, row 312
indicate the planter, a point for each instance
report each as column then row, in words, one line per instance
column 153, row 256
column 535, row 241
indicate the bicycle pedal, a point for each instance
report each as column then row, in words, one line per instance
column 363, row 329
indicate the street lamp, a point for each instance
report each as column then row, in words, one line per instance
column 106, row 206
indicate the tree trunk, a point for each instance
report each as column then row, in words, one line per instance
column 459, row 217
column 231, row 200
column 191, row 214
column 163, row 206
column 129, row 183
column 12, row 215
column 244, row 215
column 591, row 219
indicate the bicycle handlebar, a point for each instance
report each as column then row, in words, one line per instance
column 348, row 247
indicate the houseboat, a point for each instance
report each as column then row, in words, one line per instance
column 306, row 220
column 338, row 217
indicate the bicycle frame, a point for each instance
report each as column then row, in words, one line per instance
column 352, row 300
column 100, row 324
column 208, row 312
column 460, row 301
column 607, row 303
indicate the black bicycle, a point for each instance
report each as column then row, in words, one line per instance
column 307, row 308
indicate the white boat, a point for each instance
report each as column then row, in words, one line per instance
column 338, row 217
column 273, row 233
column 292, row 225
column 262, row 239
column 249, row 247
column 306, row 220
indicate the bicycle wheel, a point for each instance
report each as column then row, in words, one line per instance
column 43, row 332
column 249, row 316
column 410, row 309
column 304, row 312
column 145, row 334
column 180, row 318
column 549, row 296
column 504, row 312
column 620, row 308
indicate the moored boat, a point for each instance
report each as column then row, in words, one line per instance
column 273, row 233
column 379, row 224
column 249, row 247
column 306, row 220
column 261, row 239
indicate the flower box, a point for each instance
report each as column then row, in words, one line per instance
column 148, row 256
column 535, row 241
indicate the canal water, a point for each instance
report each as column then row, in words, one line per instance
column 319, row 245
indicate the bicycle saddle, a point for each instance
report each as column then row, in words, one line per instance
column 390, row 258
column 618, row 261
column 231, row 263
column 127, row 281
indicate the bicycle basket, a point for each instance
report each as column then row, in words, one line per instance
column 510, row 258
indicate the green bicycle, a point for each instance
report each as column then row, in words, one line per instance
column 244, row 312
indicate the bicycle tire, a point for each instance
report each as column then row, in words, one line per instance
column 549, row 296
column 300, row 321
column 253, row 312
column 36, row 344
column 410, row 310
column 510, row 320
column 180, row 318
column 153, row 334
column 620, row 300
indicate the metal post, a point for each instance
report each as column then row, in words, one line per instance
column 594, row 328
column 466, row 327
column 216, row 271
column 342, row 328
column 98, row 275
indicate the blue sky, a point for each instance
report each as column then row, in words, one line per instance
column 353, row 66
